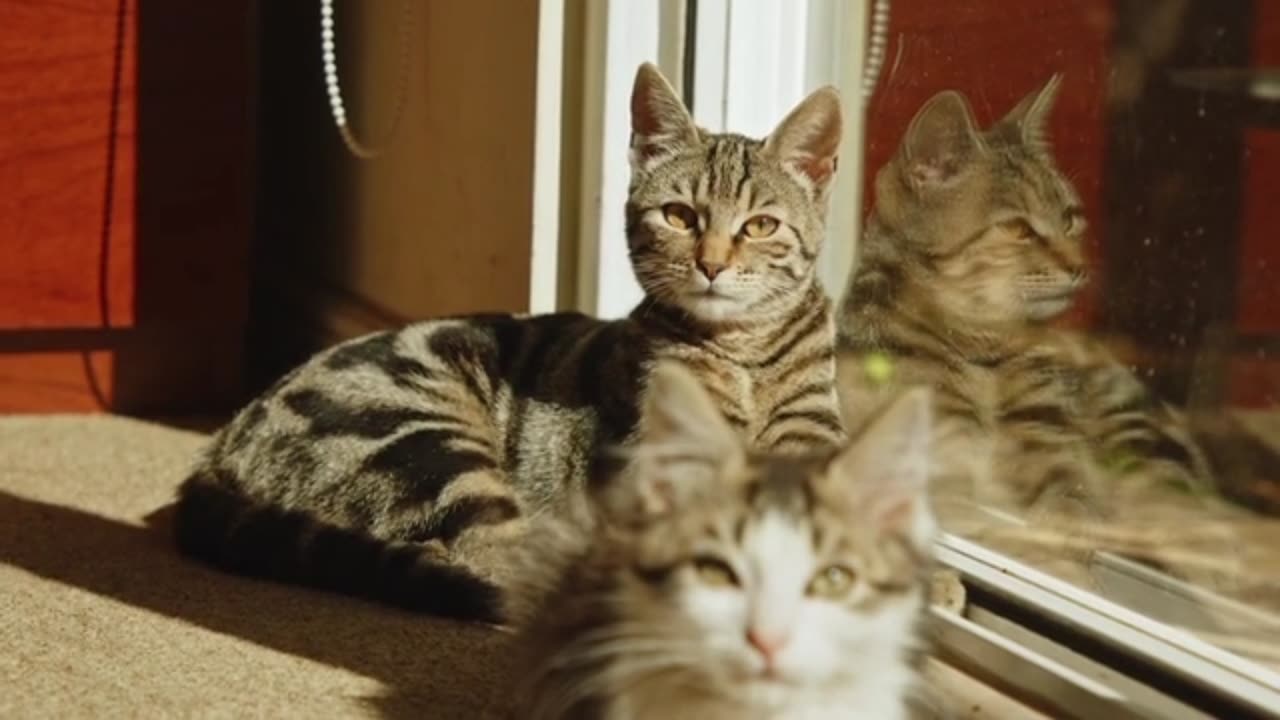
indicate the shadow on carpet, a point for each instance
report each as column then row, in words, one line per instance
column 427, row 664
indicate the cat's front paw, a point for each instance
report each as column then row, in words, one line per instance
column 946, row 590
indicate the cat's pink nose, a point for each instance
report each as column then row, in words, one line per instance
column 710, row 268
column 769, row 643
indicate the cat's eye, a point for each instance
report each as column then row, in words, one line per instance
column 680, row 216
column 1023, row 230
column 831, row 583
column 714, row 572
column 1075, row 221
column 760, row 226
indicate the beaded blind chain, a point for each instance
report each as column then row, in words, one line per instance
column 328, row 57
column 875, row 48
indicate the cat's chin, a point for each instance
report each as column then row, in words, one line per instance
column 1044, row 303
column 716, row 308
column 764, row 692
column 1046, row 308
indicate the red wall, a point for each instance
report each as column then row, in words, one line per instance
column 125, row 203
column 1256, row 375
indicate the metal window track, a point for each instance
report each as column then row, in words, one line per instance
column 1113, row 661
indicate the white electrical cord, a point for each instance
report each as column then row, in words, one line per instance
column 876, row 45
column 328, row 56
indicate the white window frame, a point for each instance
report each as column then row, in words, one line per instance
column 1179, row 656
column 544, row 252
column 620, row 34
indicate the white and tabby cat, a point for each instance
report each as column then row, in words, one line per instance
column 403, row 465
column 726, row 584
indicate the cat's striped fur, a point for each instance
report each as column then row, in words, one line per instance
column 975, row 243
column 404, row 465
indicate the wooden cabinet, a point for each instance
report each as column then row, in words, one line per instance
column 125, row 186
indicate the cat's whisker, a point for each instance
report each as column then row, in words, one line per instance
column 593, row 652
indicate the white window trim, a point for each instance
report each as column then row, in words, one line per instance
column 544, row 276
column 620, row 34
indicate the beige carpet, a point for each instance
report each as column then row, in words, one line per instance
column 99, row 616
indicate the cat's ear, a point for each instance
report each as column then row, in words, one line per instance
column 940, row 141
column 684, row 442
column 1030, row 117
column 660, row 124
column 887, row 466
column 679, row 412
column 807, row 141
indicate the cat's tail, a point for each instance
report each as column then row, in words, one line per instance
column 222, row 527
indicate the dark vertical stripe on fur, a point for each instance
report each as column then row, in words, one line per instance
column 746, row 176
column 423, row 462
column 822, row 418
column 379, row 351
column 548, row 332
column 816, row 323
column 468, row 352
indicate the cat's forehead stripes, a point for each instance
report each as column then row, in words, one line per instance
column 727, row 171
column 781, row 484
column 795, row 492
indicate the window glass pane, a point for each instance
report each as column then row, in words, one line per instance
column 1073, row 237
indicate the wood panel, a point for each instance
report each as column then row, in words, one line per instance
column 125, row 154
column 441, row 223
column 66, row 381
column 67, row 116
column 195, row 162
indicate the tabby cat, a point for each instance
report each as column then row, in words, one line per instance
column 974, row 245
column 403, row 465
column 726, row 584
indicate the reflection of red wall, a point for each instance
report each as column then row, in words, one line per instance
column 995, row 52
column 1259, row 288
column 1256, row 379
